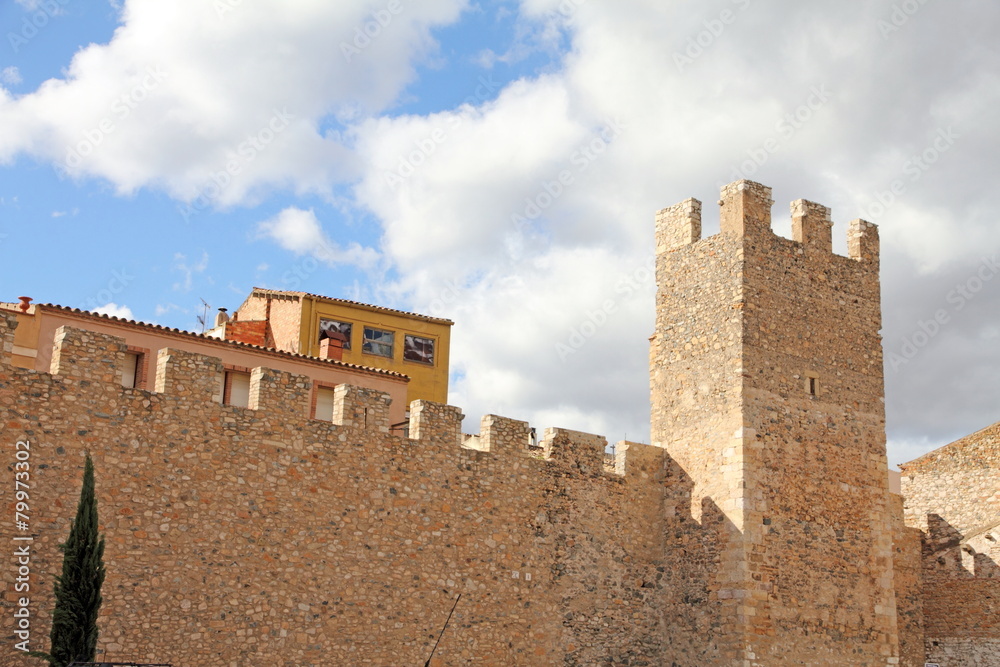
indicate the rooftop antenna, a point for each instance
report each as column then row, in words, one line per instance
column 203, row 318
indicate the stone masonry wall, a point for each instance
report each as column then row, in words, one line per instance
column 244, row 537
column 767, row 393
column 953, row 498
column 695, row 370
column 908, row 581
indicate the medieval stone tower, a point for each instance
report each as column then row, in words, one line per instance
column 767, row 392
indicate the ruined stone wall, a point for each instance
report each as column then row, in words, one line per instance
column 952, row 495
column 971, row 465
column 257, row 536
column 781, row 429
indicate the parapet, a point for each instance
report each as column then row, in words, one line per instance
column 280, row 391
column 811, row 225
column 678, row 226
column 500, row 435
column 280, row 395
column 361, row 408
column 187, row 374
column 435, row 420
column 746, row 208
column 863, row 242
column 88, row 355
column 634, row 459
column 580, row 450
column 8, row 322
column 745, row 211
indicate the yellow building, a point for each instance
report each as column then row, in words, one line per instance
column 414, row 345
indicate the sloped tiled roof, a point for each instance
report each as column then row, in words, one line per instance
column 218, row 341
column 368, row 306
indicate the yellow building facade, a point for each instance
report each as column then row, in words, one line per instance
column 414, row 345
column 417, row 346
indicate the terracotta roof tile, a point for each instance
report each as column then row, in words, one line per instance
column 426, row 318
column 210, row 339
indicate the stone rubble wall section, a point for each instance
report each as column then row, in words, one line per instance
column 258, row 536
column 952, row 496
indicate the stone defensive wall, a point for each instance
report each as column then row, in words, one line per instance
column 953, row 497
column 260, row 536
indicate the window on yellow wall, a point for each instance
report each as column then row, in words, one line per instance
column 327, row 327
column 378, row 342
column 418, row 349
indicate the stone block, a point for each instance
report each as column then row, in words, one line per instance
column 280, row 392
column 88, row 355
column 188, row 374
column 361, row 408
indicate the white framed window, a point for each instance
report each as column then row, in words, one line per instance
column 237, row 389
column 378, row 342
column 324, row 404
column 130, row 370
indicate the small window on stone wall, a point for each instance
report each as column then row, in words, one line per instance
column 324, row 404
column 237, row 389
column 812, row 384
column 130, row 372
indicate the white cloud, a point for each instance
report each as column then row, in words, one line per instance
column 446, row 185
column 299, row 231
column 188, row 270
column 181, row 93
column 115, row 310
column 10, row 76
column 162, row 309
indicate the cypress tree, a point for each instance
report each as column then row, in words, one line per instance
column 78, row 590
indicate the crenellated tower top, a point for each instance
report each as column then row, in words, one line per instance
column 745, row 212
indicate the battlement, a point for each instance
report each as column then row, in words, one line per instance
column 284, row 399
column 343, row 512
column 8, row 323
column 745, row 212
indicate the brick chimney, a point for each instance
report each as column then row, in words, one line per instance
column 332, row 347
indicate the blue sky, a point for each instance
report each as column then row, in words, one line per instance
column 132, row 249
column 156, row 154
